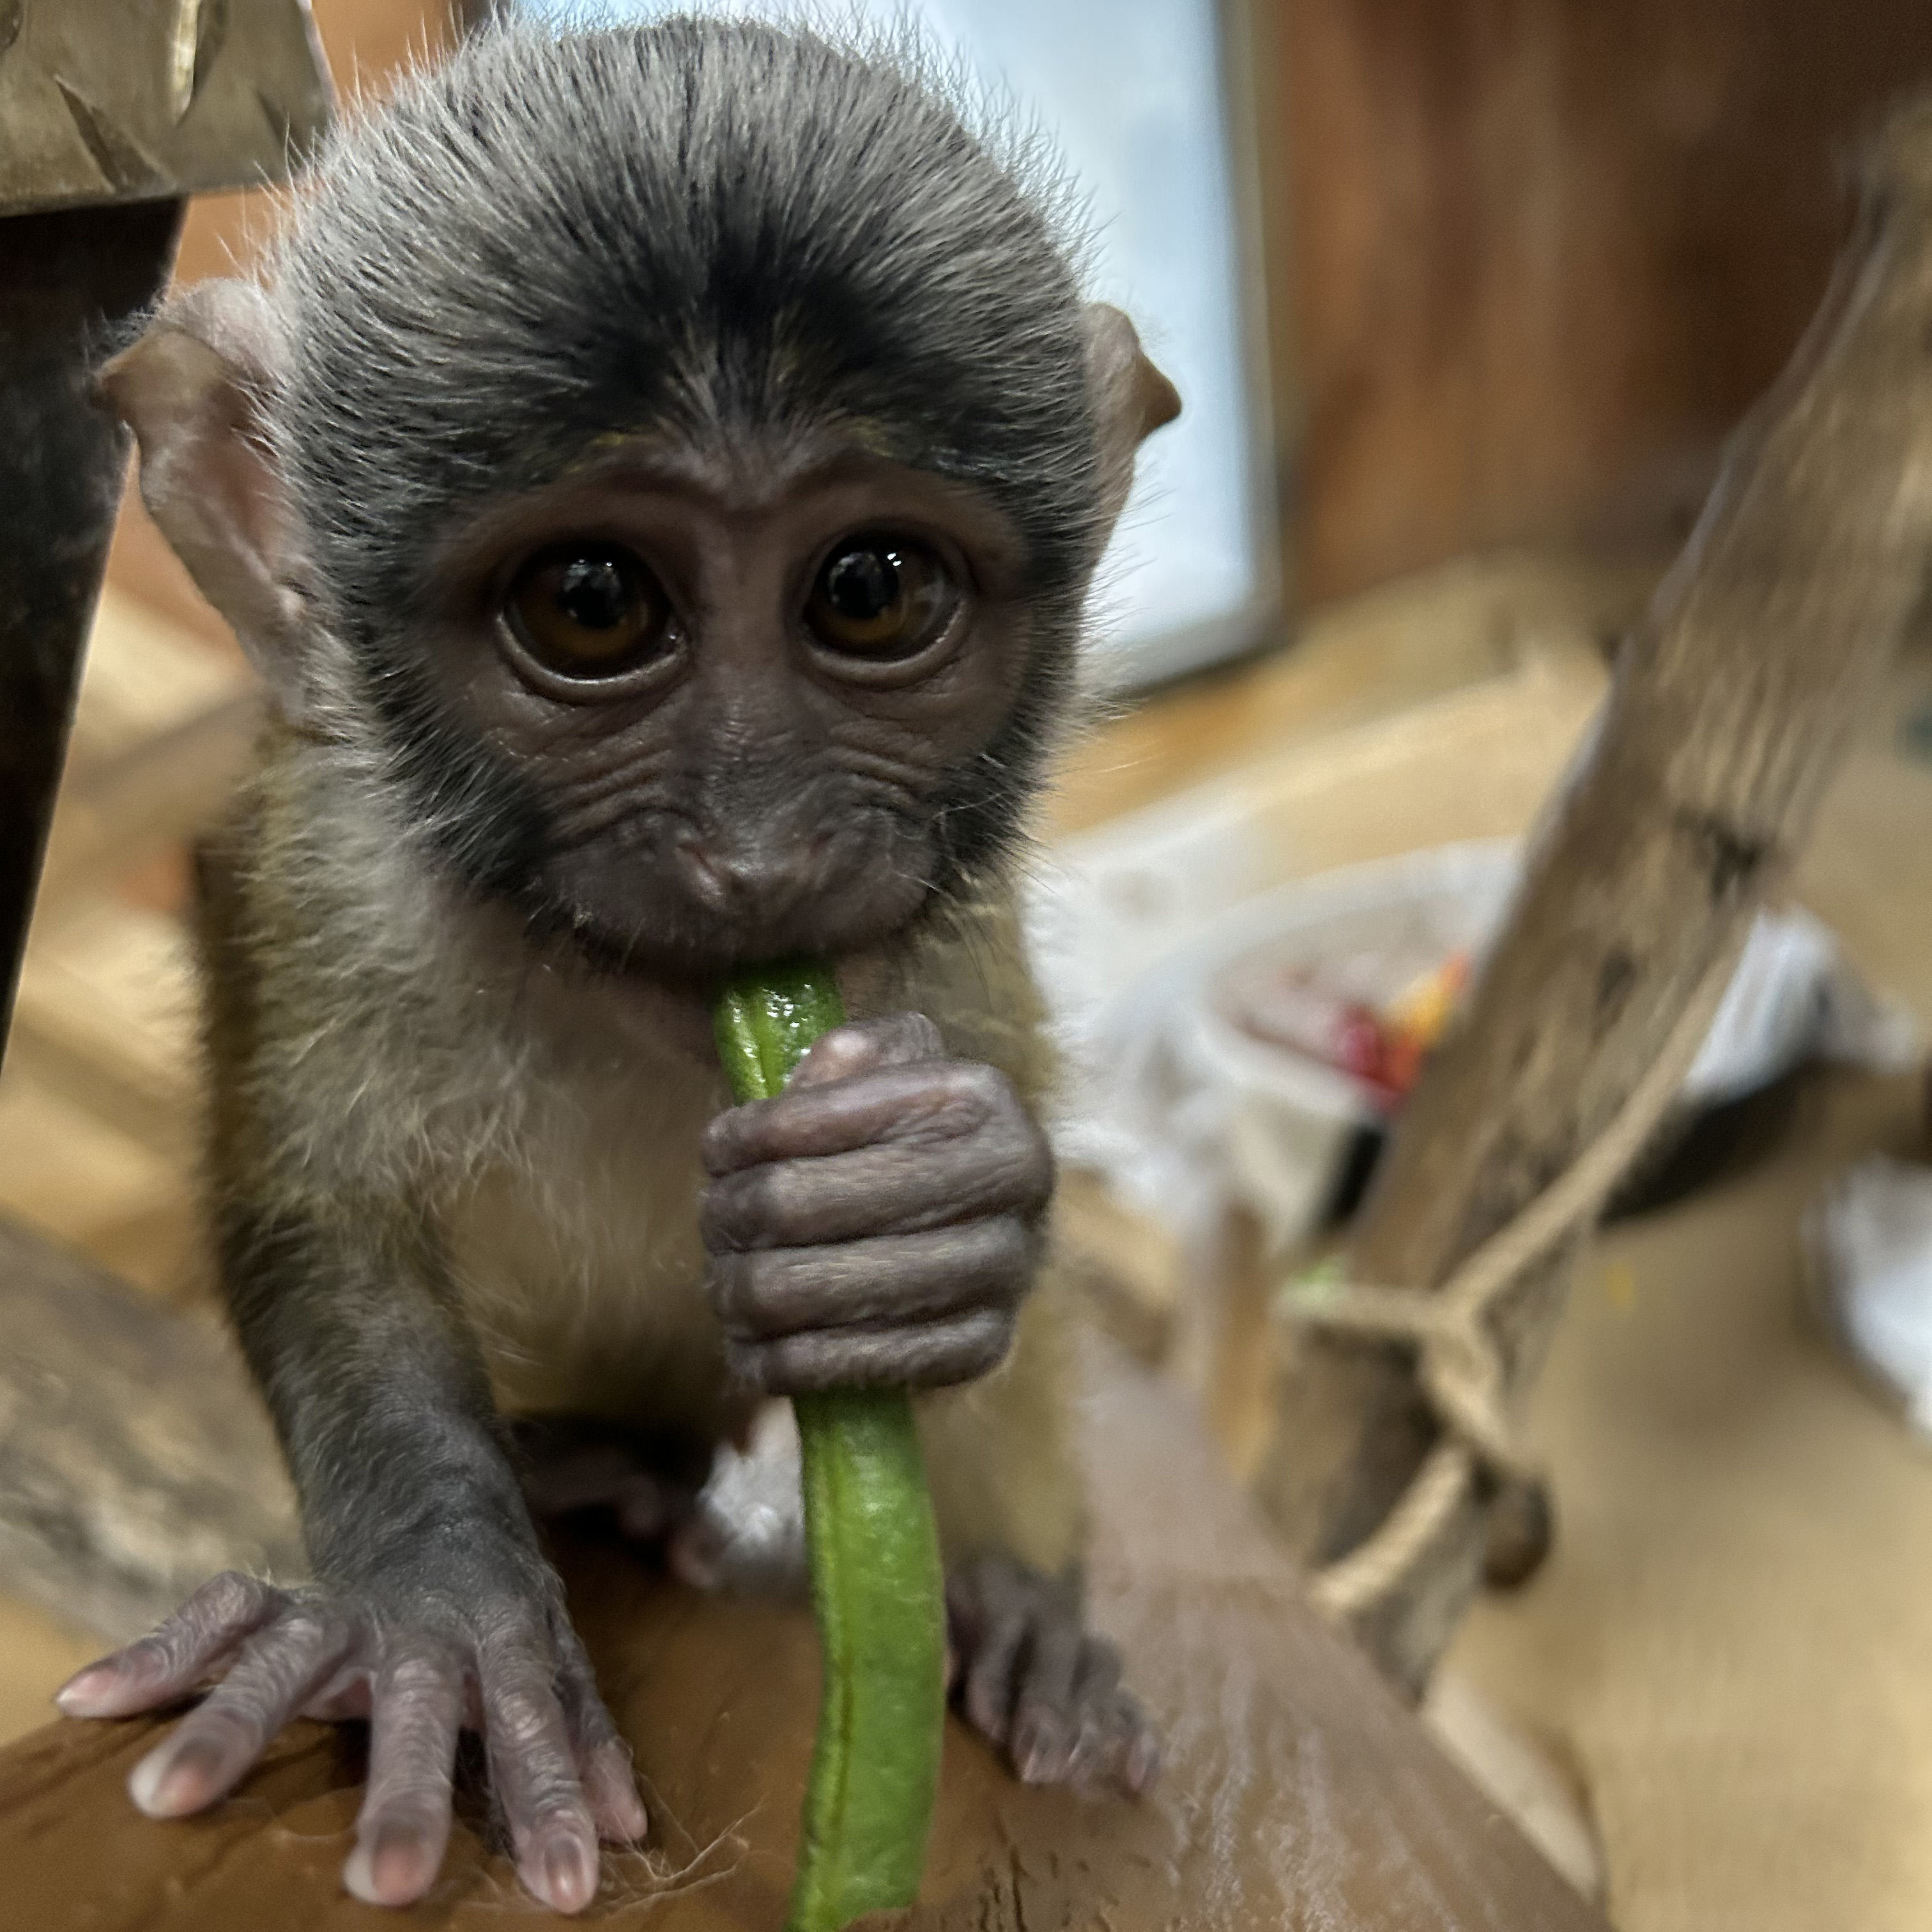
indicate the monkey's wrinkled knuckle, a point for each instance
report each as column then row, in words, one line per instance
column 1011, row 1257
column 732, row 1281
column 520, row 1718
column 423, row 1668
column 981, row 1093
column 915, row 1036
column 305, row 1626
column 233, row 1597
column 963, row 1349
column 508, row 1636
column 750, row 1210
column 769, row 1202
column 718, row 1147
column 992, row 1336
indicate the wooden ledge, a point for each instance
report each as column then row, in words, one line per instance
column 1298, row 1791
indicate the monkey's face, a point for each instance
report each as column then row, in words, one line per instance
column 735, row 707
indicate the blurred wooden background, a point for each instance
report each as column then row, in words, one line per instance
column 1527, row 260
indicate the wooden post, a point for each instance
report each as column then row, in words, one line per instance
column 1733, row 705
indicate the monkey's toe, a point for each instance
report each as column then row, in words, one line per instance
column 1030, row 1678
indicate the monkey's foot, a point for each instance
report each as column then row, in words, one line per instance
column 1031, row 1678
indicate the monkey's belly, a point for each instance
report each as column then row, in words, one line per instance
column 586, row 1298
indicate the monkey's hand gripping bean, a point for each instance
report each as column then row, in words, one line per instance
column 877, row 1588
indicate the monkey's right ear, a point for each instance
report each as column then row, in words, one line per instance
column 1132, row 399
column 193, row 389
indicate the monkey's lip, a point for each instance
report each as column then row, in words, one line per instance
column 694, row 967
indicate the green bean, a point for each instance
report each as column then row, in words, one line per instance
column 877, row 1590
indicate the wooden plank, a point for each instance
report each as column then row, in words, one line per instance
column 1299, row 1793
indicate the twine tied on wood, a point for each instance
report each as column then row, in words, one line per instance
column 1459, row 1362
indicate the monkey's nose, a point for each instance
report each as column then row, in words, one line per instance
column 740, row 882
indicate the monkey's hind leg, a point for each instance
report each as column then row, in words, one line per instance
column 1023, row 1669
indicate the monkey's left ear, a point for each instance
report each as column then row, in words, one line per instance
column 1132, row 397
column 192, row 389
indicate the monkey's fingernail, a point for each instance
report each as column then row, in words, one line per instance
column 167, row 1784
column 96, row 1684
column 570, row 1875
column 1143, row 1762
column 395, row 1867
column 1040, row 1751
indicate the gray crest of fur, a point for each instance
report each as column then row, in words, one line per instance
column 711, row 228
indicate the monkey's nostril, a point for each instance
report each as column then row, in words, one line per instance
column 741, row 882
column 708, row 880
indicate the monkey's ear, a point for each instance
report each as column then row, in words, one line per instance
column 1132, row 397
column 193, row 389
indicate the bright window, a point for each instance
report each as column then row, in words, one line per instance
column 1132, row 90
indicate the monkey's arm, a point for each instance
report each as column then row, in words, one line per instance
column 880, row 1221
column 433, row 1609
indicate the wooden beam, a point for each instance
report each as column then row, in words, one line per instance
column 1733, row 705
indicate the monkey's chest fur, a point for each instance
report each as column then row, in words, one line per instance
column 403, row 1084
column 576, row 1257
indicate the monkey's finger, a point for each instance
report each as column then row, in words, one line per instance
column 603, row 1758
column 1095, row 1693
column 935, row 1355
column 987, row 1693
column 1045, row 1719
column 218, row 1744
column 533, row 1771
column 884, row 1190
column 172, row 1659
column 1129, row 1755
column 416, row 1713
column 893, row 1281
column 927, row 1103
column 893, row 1039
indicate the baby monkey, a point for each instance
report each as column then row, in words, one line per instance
column 659, row 479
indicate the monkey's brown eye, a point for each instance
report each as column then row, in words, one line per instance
column 880, row 598
column 587, row 610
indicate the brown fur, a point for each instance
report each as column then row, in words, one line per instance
column 377, row 1052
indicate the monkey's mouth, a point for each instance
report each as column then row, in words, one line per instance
column 689, row 948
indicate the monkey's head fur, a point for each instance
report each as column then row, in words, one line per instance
column 674, row 458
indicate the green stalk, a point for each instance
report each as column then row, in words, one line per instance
column 877, row 1587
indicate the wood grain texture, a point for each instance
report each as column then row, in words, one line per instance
column 136, row 1460
column 1734, row 704
column 1298, row 1793
column 1545, row 252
